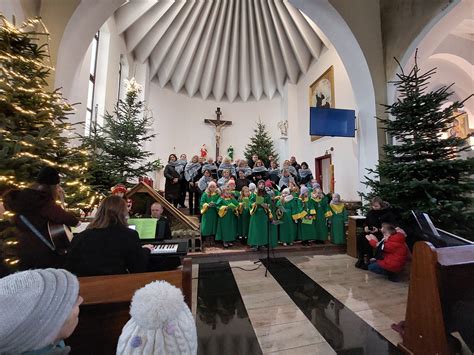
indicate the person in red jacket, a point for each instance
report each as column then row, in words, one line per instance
column 391, row 252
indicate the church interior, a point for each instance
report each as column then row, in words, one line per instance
column 237, row 177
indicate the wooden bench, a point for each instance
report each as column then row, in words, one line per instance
column 106, row 306
column 439, row 277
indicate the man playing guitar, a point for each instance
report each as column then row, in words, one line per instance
column 36, row 210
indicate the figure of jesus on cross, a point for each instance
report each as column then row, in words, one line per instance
column 219, row 125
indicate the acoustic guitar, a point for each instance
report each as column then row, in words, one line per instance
column 61, row 236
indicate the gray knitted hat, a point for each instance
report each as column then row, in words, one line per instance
column 161, row 323
column 34, row 305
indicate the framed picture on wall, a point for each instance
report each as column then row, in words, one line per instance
column 321, row 93
column 460, row 127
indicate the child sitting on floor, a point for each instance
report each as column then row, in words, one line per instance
column 391, row 252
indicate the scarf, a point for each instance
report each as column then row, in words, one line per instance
column 209, row 167
column 191, row 170
column 304, row 173
column 222, row 181
column 247, row 171
column 285, row 181
column 291, row 169
column 180, row 164
column 259, row 169
column 274, row 172
column 203, row 182
column 173, row 163
column 227, row 166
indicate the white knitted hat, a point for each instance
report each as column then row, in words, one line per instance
column 34, row 305
column 161, row 323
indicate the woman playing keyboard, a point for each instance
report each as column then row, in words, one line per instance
column 108, row 246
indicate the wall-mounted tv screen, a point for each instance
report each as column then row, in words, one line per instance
column 331, row 122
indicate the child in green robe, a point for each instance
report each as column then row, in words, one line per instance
column 244, row 214
column 308, row 214
column 338, row 220
column 288, row 214
column 322, row 214
column 294, row 189
column 232, row 190
column 260, row 215
column 209, row 211
column 227, row 207
column 273, row 226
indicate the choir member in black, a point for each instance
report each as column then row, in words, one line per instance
column 192, row 174
column 243, row 166
column 270, row 159
column 380, row 212
column 305, row 174
column 259, row 172
column 172, row 181
column 287, row 165
column 274, row 172
column 285, row 179
column 294, row 163
column 226, row 165
column 212, row 167
column 183, row 184
column 251, row 162
column 108, row 246
column 219, row 161
column 205, row 179
column 163, row 230
column 241, row 181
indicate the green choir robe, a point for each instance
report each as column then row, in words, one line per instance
column 322, row 213
column 209, row 214
column 258, row 227
column 308, row 216
column 244, row 217
column 227, row 221
column 338, row 220
column 273, row 226
column 289, row 214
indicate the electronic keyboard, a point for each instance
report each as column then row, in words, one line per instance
column 179, row 248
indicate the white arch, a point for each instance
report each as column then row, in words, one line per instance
column 87, row 19
column 340, row 35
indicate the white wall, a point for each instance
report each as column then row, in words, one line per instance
column 180, row 128
column 344, row 156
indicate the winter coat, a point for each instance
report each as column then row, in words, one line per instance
column 375, row 218
column 39, row 208
column 171, row 188
column 395, row 253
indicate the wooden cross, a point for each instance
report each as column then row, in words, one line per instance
column 219, row 124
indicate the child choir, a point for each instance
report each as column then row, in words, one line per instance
column 276, row 208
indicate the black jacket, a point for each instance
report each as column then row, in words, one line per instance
column 107, row 251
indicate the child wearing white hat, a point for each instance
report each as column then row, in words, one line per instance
column 38, row 309
column 161, row 323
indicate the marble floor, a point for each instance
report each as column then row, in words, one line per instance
column 305, row 305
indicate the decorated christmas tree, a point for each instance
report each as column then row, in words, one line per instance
column 34, row 127
column 423, row 169
column 260, row 144
column 117, row 146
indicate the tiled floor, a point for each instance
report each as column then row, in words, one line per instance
column 306, row 305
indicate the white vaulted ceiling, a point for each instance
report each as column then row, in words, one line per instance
column 220, row 48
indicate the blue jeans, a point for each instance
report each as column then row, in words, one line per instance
column 374, row 267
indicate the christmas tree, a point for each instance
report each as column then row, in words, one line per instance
column 423, row 170
column 117, row 146
column 34, row 128
column 260, row 144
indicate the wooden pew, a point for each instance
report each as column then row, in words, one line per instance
column 106, row 306
column 439, row 277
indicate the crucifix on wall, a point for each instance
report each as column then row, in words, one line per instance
column 219, row 125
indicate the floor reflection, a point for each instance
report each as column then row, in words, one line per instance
column 222, row 321
column 343, row 329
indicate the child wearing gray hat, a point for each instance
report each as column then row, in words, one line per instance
column 38, row 309
column 161, row 323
